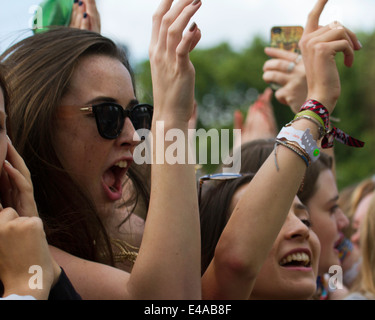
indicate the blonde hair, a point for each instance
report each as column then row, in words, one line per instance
column 362, row 190
column 367, row 272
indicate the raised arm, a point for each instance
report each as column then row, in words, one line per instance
column 172, row 231
column 261, row 211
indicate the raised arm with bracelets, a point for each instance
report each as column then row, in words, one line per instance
column 260, row 213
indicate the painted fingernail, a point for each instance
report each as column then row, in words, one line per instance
column 193, row 27
column 80, row 3
column 75, row 1
column 85, row 15
column 8, row 163
column 196, row 2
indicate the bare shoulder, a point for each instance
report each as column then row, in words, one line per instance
column 92, row 280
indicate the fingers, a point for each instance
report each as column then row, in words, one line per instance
column 92, row 19
column 266, row 96
column 73, row 17
column 281, row 96
column 346, row 48
column 337, row 39
column 280, row 54
column 279, row 65
column 189, row 41
column 85, row 16
column 17, row 180
column 195, row 40
column 7, row 215
column 172, row 25
column 163, row 8
column 17, row 162
column 77, row 14
column 314, row 16
column 275, row 76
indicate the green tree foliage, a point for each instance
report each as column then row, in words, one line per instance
column 227, row 80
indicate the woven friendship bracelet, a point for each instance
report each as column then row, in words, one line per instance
column 334, row 133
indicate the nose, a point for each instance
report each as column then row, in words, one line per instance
column 355, row 238
column 295, row 228
column 126, row 137
column 342, row 219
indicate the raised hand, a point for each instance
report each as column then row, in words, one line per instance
column 22, row 245
column 293, row 91
column 85, row 15
column 173, row 74
column 319, row 46
column 260, row 122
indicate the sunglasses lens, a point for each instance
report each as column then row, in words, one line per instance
column 109, row 120
column 141, row 117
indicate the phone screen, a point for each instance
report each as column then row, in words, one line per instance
column 286, row 37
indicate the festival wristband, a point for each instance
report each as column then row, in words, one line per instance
column 304, row 139
column 331, row 134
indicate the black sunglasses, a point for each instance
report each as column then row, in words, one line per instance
column 110, row 117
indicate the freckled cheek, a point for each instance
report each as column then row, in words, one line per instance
column 77, row 149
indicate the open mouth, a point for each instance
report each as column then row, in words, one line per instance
column 296, row 259
column 340, row 241
column 113, row 179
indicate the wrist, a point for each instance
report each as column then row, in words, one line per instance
column 22, row 289
column 304, row 124
column 329, row 104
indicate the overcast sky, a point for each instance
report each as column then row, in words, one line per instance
column 234, row 21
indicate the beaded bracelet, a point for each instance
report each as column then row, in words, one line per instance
column 318, row 109
column 296, row 149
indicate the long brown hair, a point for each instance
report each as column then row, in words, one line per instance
column 4, row 90
column 40, row 69
column 311, row 176
column 216, row 199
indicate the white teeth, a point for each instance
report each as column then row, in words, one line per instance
column 122, row 164
column 300, row 256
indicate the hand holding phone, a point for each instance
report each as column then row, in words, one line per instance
column 285, row 38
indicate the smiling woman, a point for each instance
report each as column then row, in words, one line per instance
column 290, row 267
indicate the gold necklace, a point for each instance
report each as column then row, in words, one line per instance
column 126, row 251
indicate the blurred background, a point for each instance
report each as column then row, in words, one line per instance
column 230, row 57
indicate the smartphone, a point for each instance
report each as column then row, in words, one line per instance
column 286, row 38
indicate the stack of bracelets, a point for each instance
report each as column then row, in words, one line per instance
column 303, row 143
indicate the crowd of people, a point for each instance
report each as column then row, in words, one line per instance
column 79, row 215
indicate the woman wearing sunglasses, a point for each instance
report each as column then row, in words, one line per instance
column 76, row 112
